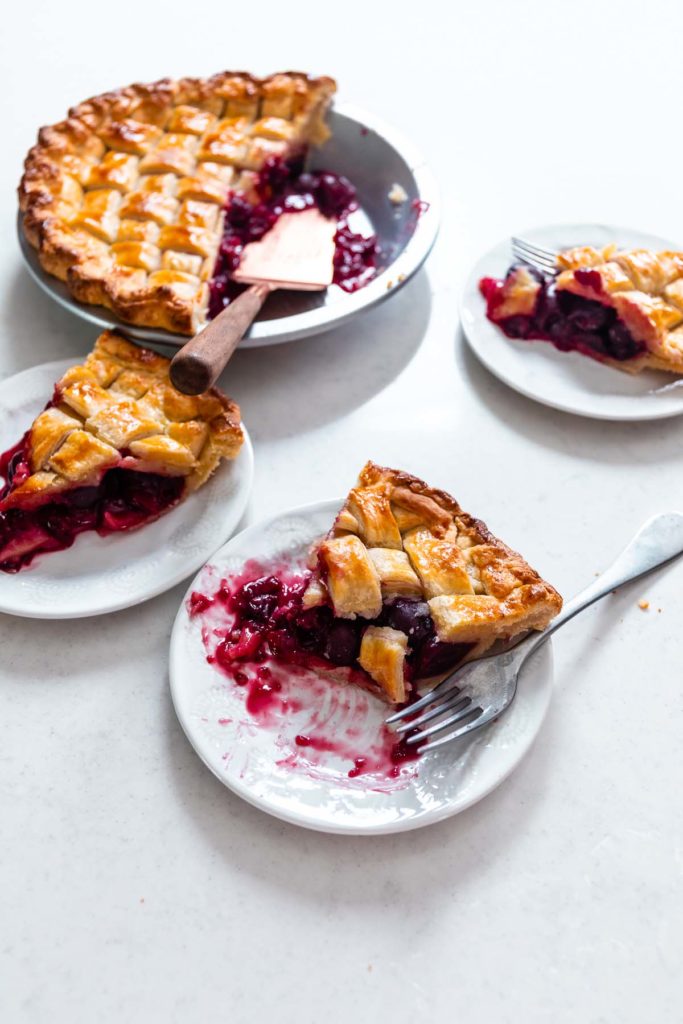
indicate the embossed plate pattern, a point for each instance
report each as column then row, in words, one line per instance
column 105, row 574
column 261, row 762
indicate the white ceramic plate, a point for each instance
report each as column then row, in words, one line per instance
column 104, row 574
column 260, row 760
column 566, row 380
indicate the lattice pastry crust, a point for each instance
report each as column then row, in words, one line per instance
column 397, row 537
column 119, row 409
column 124, row 199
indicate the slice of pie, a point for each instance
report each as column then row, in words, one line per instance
column 124, row 200
column 115, row 448
column 404, row 587
column 622, row 307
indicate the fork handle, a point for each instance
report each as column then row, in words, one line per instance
column 657, row 542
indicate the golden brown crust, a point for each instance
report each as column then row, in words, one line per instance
column 81, row 182
column 478, row 589
column 119, row 408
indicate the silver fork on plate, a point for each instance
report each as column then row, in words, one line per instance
column 542, row 259
column 480, row 691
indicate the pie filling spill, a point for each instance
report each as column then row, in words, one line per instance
column 569, row 322
column 282, row 187
column 115, row 448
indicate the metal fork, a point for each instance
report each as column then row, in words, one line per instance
column 542, row 259
column 480, row 691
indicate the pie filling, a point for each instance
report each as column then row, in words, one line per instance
column 269, row 620
column 569, row 322
column 123, row 500
column 282, row 187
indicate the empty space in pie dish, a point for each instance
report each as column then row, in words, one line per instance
column 375, row 158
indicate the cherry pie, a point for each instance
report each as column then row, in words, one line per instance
column 115, row 448
column 404, row 587
column 622, row 307
column 124, row 199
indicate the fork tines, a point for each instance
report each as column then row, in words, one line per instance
column 454, row 703
column 534, row 255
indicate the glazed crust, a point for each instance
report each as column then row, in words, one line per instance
column 119, row 409
column 116, row 197
column 478, row 589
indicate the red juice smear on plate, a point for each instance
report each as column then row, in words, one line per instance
column 334, row 721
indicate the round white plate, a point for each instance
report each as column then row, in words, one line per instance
column 261, row 762
column 105, row 574
column 566, row 380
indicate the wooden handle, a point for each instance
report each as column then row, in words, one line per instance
column 199, row 363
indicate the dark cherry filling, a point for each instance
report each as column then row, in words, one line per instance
column 270, row 620
column 569, row 322
column 282, row 187
column 122, row 500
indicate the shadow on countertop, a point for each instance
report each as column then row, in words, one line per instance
column 287, row 389
column 605, row 441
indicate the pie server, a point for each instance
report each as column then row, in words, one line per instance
column 297, row 253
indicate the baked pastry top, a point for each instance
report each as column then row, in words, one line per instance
column 397, row 538
column 117, row 440
column 124, row 198
column 624, row 307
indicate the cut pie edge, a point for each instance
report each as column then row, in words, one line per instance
column 49, row 190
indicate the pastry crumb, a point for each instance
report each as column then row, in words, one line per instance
column 369, row 968
column 644, row 605
column 390, row 284
column 397, row 194
column 401, row 278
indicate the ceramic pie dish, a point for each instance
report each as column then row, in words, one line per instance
column 131, row 208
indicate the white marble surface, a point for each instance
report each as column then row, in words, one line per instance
column 133, row 886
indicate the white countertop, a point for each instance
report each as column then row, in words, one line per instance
column 133, row 886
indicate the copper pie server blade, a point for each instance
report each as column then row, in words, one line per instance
column 297, row 253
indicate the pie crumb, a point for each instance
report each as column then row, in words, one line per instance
column 390, row 284
column 397, row 194
column 644, row 605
